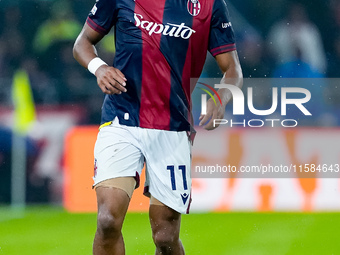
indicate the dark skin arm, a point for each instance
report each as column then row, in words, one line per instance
column 230, row 65
column 110, row 80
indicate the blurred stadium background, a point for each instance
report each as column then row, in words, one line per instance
column 48, row 206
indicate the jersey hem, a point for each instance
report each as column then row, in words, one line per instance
column 163, row 128
column 155, row 127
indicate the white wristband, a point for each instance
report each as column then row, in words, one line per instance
column 95, row 64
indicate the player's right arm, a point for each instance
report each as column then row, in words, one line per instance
column 110, row 79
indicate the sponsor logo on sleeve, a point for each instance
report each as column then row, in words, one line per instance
column 94, row 10
column 226, row 24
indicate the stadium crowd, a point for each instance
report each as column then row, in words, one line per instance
column 277, row 39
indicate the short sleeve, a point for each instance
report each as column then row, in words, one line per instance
column 221, row 38
column 102, row 16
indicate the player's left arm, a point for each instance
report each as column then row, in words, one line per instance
column 232, row 74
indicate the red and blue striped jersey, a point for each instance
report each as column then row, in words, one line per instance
column 160, row 45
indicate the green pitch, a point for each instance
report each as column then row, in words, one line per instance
column 52, row 231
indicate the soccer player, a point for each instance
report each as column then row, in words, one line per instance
column 146, row 114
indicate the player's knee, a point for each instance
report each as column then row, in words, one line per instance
column 108, row 226
column 165, row 240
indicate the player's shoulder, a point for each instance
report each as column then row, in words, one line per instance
column 219, row 3
column 107, row 3
column 220, row 7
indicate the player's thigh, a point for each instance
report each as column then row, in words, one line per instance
column 165, row 222
column 118, row 162
column 168, row 163
column 116, row 155
column 127, row 184
column 112, row 204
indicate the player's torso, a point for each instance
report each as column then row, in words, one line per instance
column 177, row 30
column 179, row 19
column 160, row 45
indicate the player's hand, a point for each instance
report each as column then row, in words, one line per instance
column 110, row 80
column 213, row 112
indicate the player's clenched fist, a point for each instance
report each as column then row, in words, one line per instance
column 110, row 80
